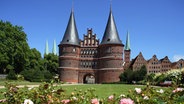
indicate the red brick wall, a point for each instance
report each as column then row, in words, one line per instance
column 110, row 75
column 68, row 75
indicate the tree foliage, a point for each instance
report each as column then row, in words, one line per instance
column 14, row 49
column 11, row 75
column 129, row 75
column 16, row 56
column 51, row 62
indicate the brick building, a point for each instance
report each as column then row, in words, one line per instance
column 138, row 62
column 89, row 60
column 154, row 65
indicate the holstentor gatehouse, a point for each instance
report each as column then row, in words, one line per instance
column 90, row 60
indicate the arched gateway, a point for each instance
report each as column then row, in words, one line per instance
column 89, row 78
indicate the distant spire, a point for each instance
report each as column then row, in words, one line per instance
column 111, row 34
column 54, row 48
column 71, row 33
column 46, row 48
column 127, row 46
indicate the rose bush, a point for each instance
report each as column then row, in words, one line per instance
column 47, row 93
column 176, row 76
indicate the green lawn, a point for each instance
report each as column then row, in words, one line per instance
column 103, row 90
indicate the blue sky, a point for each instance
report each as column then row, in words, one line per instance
column 155, row 26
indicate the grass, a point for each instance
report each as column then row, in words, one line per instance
column 1, row 93
column 103, row 90
column 17, row 82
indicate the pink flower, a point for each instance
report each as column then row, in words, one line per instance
column 111, row 97
column 126, row 101
column 138, row 90
column 65, row 101
column 94, row 101
column 178, row 90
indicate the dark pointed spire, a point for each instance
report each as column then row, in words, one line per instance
column 71, row 34
column 127, row 46
column 111, row 34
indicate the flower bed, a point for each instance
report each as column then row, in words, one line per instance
column 48, row 94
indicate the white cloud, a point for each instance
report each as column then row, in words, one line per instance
column 178, row 57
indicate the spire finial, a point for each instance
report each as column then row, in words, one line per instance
column 72, row 5
column 111, row 5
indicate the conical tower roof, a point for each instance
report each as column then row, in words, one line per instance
column 71, row 33
column 127, row 46
column 111, row 34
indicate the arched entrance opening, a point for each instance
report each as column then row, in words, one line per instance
column 89, row 78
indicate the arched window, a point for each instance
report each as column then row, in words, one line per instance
column 86, row 51
column 93, row 52
column 89, row 51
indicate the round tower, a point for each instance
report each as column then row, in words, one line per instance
column 110, row 53
column 69, row 53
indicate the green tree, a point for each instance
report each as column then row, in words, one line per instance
column 140, row 74
column 14, row 48
column 11, row 75
column 127, row 76
column 34, row 59
column 51, row 63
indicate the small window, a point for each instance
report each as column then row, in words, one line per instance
column 109, row 50
column 74, row 49
column 108, row 39
column 63, row 49
column 86, row 51
column 89, row 51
